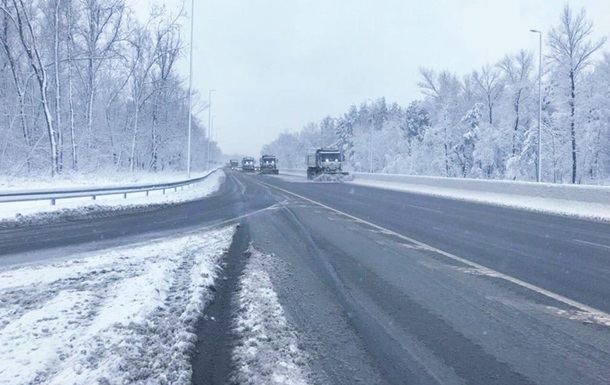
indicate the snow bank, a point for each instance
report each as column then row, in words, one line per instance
column 591, row 202
column 568, row 192
column 125, row 316
column 268, row 350
column 98, row 179
column 585, row 201
column 20, row 213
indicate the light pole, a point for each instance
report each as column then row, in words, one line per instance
column 209, row 127
column 190, row 124
column 539, row 170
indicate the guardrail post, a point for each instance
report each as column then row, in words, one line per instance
column 163, row 191
column 52, row 201
column 175, row 189
column 146, row 192
column 93, row 197
column 124, row 195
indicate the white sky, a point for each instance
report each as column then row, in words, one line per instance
column 279, row 64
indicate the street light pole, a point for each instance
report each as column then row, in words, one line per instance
column 539, row 170
column 209, row 127
column 190, row 123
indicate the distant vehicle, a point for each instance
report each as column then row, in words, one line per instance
column 325, row 163
column 234, row 163
column 247, row 164
column 268, row 165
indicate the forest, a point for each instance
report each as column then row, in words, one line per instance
column 484, row 124
column 85, row 86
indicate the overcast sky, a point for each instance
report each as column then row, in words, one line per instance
column 279, row 64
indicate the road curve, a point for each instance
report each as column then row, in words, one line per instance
column 373, row 304
column 128, row 225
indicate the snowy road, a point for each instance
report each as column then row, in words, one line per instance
column 384, row 288
column 351, row 284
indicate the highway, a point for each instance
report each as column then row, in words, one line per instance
column 388, row 287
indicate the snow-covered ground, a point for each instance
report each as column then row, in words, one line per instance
column 120, row 316
column 39, row 211
column 99, row 179
column 268, row 350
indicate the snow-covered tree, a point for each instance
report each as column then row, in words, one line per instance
column 571, row 50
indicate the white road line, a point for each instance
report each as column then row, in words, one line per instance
column 227, row 221
column 591, row 244
column 484, row 270
column 425, row 208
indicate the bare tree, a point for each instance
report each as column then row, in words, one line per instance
column 56, row 63
column 490, row 85
column 60, row 60
column 167, row 36
column 571, row 49
column 19, row 14
column 100, row 30
column 517, row 71
column 69, row 50
column 17, row 77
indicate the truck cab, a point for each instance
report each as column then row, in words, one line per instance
column 324, row 161
column 247, row 164
column 268, row 165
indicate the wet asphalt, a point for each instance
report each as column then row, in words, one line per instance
column 374, row 308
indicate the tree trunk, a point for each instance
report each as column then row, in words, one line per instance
column 155, row 119
column 90, row 101
column 132, row 157
column 24, row 128
column 20, row 93
column 49, row 121
column 71, row 96
column 35, row 61
column 516, row 129
column 58, row 90
column 573, row 124
column 490, row 104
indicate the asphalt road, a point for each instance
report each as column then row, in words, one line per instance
column 376, row 308
column 568, row 256
column 380, row 285
column 109, row 229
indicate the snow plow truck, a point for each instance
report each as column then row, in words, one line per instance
column 268, row 165
column 247, row 164
column 325, row 164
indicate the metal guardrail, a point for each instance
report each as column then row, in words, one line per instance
column 67, row 193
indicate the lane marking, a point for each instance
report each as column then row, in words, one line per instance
column 591, row 244
column 276, row 206
column 425, row 208
column 598, row 314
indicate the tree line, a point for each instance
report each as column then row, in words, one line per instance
column 85, row 86
column 485, row 124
